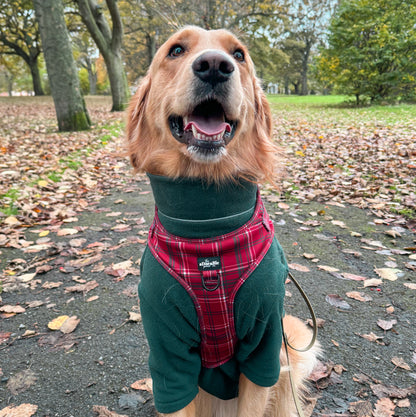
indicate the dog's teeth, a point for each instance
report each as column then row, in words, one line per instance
column 185, row 120
column 194, row 131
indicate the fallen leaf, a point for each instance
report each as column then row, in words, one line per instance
column 400, row 363
column 403, row 403
column 309, row 255
column 373, row 282
column 372, row 337
column 410, row 285
column 4, row 336
column 26, row 277
column 387, row 273
column 102, row 411
column 386, row 324
column 84, row 288
column 136, row 317
column 9, row 309
column 382, row 391
column 121, row 228
column 11, row 221
column 339, row 223
column 34, row 304
column 356, row 253
column 339, row 369
column 319, row 322
column 69, row 325
column 123, row 265
column 327, row 268
column 93, row 298
column 336, row 301
column 353, row 277
column 42, row 183
column 361, row 408
column 393, row 233
column 376, row 243
column 21, row 381
column 22, row 410
column 384, row 407
column 58, row 341
column 77, row 243
column 145, row 384
column 81, row 263
column 57, row 323
column 298, row 267
column 66, row 232
column 320, row 371
column 359, row 296
column 49, row 285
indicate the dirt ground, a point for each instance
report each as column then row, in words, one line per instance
column 96, row 363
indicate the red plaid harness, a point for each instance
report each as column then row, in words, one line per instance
column 212, row 270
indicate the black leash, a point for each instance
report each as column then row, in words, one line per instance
column 296, row 398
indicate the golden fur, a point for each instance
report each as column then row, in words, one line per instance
column 167, row 89
column 151, row 146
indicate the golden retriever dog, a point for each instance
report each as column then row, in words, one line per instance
column 200, row 117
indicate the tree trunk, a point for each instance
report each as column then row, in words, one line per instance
column 108, row 42
column 304, row 70
column 9, row 80
column 118, row 81
column 151, row 47
column 69, row 104
column 34, row 71
column 92, row 76
column 287, row 92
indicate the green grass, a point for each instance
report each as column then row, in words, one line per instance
column 8, row 200
column 339, row 109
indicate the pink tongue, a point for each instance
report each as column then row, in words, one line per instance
column 208, row 126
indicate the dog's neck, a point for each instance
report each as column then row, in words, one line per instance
column 192, row 208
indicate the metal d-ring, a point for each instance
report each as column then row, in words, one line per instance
column 218, row 276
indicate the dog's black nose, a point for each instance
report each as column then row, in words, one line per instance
column 213, row 67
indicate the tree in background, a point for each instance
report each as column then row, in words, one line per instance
column 63, row 76
column 371, row 49
column 109, row 42
column 305, row 26
column 149, row 23
column 19, row 35
column 84, row 56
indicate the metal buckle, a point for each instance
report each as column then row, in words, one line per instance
column 211, row 275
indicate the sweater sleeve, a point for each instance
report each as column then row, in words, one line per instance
column 171, row 327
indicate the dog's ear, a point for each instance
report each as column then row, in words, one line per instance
column 136, row 121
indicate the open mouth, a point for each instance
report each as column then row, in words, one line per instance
column 206, row 130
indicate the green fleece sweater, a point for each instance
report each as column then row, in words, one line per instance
column 192, row 209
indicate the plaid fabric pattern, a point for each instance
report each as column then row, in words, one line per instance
column 212, row 271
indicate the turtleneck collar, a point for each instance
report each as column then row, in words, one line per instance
column 193, row 208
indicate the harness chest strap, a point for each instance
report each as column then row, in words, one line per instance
column 212, row 270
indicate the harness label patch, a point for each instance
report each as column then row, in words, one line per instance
column 209, row 264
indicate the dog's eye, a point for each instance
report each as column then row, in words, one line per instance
column 238, row 55
column 176, row 50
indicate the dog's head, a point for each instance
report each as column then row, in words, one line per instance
column 200, row 111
